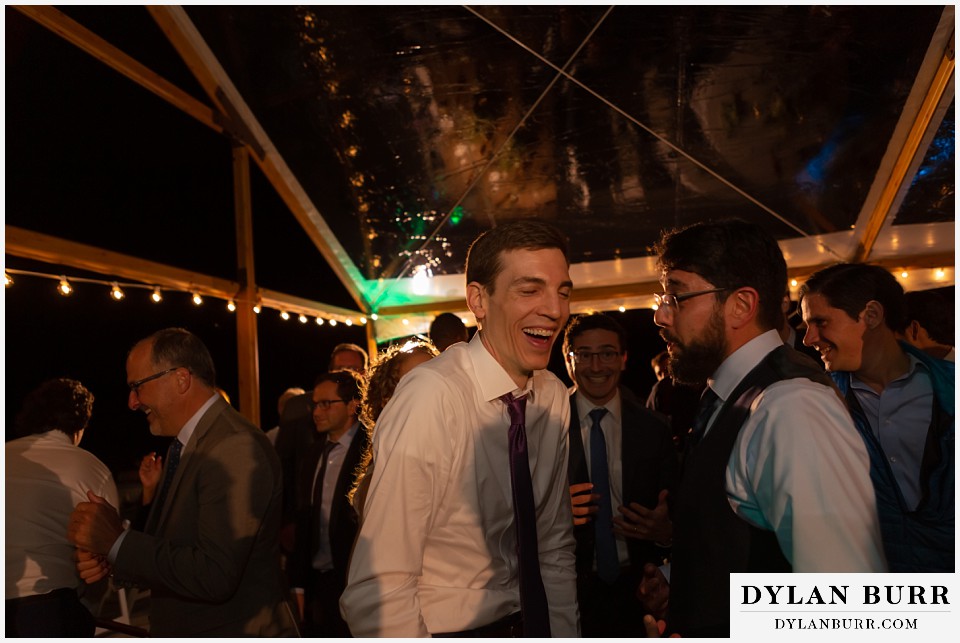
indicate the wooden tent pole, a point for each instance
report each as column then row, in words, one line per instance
column 248, row 366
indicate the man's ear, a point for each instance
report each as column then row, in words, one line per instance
column 623, row 361
column 873, row 314
column 742, row 306
column 184, row 380
column 477, row 300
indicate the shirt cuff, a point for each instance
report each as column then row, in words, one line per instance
column 112, row 555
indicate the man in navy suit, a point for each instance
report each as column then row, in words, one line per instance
column 620, row 517
column 326, row 523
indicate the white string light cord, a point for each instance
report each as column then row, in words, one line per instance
column 65, row 286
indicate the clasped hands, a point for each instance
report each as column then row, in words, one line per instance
column 94, row 526
column 634, row 521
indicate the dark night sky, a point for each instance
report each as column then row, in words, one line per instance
column 92, row 157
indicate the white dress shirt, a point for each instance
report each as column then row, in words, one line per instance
column 46, row 477
column 437, row 548
column 799, row 468
column 323, row 559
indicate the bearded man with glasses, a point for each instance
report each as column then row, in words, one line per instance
column 775, row 477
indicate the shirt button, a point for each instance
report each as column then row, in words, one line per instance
column 893, row 459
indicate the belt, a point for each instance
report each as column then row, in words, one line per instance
column 510, row 626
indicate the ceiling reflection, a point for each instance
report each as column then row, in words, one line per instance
column 413, row 129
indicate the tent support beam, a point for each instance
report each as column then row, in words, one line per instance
column 76, row 34
column 45, row 248
column 248, row 365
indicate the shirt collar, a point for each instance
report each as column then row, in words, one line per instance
column 187, row 431
column 493, row 380
column 743, row 360
column 584, row 406
column 915, row 366
column 347, row 438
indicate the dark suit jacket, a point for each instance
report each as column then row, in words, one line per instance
column 343, row 519
column 649, row 464
column 210, row 555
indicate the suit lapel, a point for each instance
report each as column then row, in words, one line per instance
column 190, row 450
column 345, row 479
column 578, row 464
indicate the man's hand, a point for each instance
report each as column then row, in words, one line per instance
column 645, row 524
column 584, row 503
column 91, row 567
column 654, row 592
column 150, row 469
column 94, row 525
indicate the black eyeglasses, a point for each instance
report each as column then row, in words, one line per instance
column 584, row 356
column 135, row 386
column 325, row 404
column 673, row 299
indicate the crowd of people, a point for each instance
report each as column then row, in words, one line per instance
column 455, row 487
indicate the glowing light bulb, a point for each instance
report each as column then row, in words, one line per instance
column 654, row 307
column 333, row 322
column 197, row 299
column 374, row 317
column 156, row 296
column 363, row 320
column 622, row 309
column 940, row 273
column 115, row 291
column 257, row 307
column 231, row 305
column 793, row 283
column 405, row 322
column 64, row 288
column 284, row 315
column 7, row 279
column 904, row 274
column 349, row 322
column 319, row 321
column 302, row 318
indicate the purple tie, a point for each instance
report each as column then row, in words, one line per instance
column 533, row 598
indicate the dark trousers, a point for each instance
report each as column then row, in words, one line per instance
column 610, row 611
column 57, row 614
column 321, row 607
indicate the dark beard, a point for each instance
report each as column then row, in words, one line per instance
column 694, row 362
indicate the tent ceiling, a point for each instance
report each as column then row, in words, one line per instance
column 396, row 134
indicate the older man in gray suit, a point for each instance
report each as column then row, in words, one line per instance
column 209, row 551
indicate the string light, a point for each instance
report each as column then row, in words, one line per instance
column 622, row 309
column 302, row 318
column 257, row 307
column 284, row 315
column 374, row 317
column 793, row 283
column 940, row 273
column 156, row 296
column 319, row 321
column 333, row 322
column 654, row 307
column 7, row 279
column 116, row 292
column 64, row 288
column 363, row 320
column 197, row 299
column 405, row 322
column 349, row 322
column 904, row 274
column 231, row 306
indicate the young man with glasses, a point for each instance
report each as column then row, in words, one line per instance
column 621, row 521
column 208, row 551
column 775, row 477
column 326, row 523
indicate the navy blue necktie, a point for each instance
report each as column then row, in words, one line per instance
column 533, row 598
column 173, row 459
column 709, row 401
column 608, row 566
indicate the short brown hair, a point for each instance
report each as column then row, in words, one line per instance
column 484, row 258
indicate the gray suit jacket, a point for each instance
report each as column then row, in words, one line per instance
column 210, row 555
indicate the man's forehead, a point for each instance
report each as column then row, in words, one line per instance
column 320, row 388
column 683, row 278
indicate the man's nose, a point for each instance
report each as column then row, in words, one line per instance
column 133, row 401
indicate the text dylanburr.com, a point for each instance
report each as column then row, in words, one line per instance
column 847, row 607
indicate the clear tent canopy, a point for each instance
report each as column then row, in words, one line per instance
column 395, row 134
